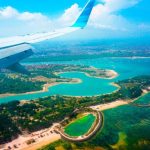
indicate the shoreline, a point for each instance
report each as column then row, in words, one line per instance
column 41, row 137
column 45, row 88
column 102, row 107
column 49, row 137
column 78, row 81
column 111, row 73
column 117, row 103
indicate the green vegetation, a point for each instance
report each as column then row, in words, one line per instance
column 80, row 126
column 8, row 129
column 34, row 115
column 42, row 74
column 132, row 88
column 127, row 124
column 143, row 101
column 13, row 84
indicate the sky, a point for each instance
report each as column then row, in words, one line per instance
column 109, row 18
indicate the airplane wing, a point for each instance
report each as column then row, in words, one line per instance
column 14, row 49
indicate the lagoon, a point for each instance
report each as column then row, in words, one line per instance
column 125, row 67
column 80, row 126
column 89, row 86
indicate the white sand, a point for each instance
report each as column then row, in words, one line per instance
column 42, row 138
column 114, row 104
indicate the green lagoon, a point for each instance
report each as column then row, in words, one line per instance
column 80, row 126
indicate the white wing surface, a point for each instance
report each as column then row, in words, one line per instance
column 14, row 49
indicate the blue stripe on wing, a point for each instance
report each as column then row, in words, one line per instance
column 84, row 16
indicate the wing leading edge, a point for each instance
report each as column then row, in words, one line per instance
column 14, row 49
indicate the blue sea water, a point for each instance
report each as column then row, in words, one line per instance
column 125, row 67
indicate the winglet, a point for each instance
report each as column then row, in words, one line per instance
column 85, row 14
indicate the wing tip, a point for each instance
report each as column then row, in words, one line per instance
column 83, row 18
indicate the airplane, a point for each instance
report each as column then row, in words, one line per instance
column 14, row 49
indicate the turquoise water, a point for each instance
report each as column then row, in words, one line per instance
column 88, row 87
column 126, row 68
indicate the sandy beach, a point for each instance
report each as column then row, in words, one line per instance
column 106, row 106
column 43, row 142
column 117, row 103
column 111, row 73
column 34, row 140
column 45, row 87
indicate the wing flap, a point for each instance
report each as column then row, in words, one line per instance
column 19, row 68
column 10, row 56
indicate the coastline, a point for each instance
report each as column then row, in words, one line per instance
column 102, row 107
column 49, row 137
column 42, row 137
column 111, row 73
column 117, row 103
column 76, row 81
column 45, row 88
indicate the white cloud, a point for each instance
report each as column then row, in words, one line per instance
column 27, row 22
column 22, row 22
column 115, row 5
column 70, row 15
column 8, row 12
column 104, row 17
